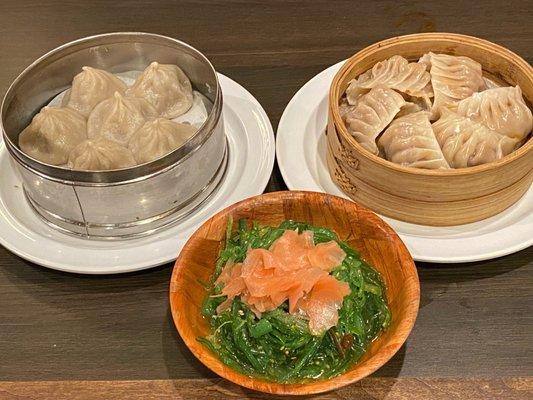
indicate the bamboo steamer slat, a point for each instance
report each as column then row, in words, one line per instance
column 430, row 197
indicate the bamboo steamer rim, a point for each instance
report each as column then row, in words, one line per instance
column 481, row 44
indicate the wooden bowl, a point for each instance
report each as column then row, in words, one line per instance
column 376, row 241
column 430, row 197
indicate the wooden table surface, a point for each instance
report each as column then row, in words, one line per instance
column 71, row 336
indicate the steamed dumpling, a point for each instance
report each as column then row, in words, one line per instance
column 410, row 141
column 118, row 117
column 466, row 143
column 90, row 87
column 166, row 87
column 501, row 109
column 394, row 73
column 454, row 78
column 373, row 112
column 52, row 134
column 409, row 108
column 100, row 154
column 159, row 137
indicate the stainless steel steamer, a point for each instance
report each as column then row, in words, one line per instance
column 123, row 203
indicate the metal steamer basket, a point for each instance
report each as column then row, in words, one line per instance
column 129, row 202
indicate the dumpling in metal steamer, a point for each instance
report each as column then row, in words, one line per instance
column 90, row 87
column 453, row 78
column 410, row 141
column 52, row 134
column 501, row 109
column 166, row 87
column 100, row 154
column 373, row 112
column 394, row 73
column 466, row 143
column 157, row 138
column 118, row 117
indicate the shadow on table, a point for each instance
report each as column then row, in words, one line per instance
column 67, row 282
column 435, row 279
column 175, row 350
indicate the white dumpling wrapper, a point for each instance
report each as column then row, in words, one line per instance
column 90, row 87
column 52, row 134
column 394, row 73
column 373, row 112
column 158, row 137
column 118, row 117
column 410, row 141
column 166, row 87
column 100, row 154
column 501, row 109
column 453, row 78
column 466, row 143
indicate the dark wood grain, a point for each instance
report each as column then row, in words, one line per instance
column 474, row 319
column 520, row 388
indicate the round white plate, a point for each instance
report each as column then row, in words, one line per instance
column 301, row 154
column 251, row 159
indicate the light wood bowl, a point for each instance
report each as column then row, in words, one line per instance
column 430, row 197
column 376, row 241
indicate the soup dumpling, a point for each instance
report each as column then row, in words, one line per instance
column 118, row 117
column 166, row 87
column 52, row 134
column 90, row 87
column 158, row 137
column 100, row 154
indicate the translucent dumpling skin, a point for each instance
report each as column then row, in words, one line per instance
column 100, row 155
column 394, row 73
column 373, row 112
column 166, row 87
column 453, row 78
column 157, row 138
column 52, row 134
column 90, row 87
column 118, row 117
column 501, row 109
column 466, row 143
column 410, row 141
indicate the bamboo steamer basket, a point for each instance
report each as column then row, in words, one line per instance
column 430, row 197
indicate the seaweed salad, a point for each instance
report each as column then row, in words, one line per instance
column 292, row 303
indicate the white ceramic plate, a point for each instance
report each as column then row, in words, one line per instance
column 301, row 154
column 251, row 158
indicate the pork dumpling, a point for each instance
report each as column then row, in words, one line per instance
column 410, row 141
column 394, row 73
column 501, row 109
column 373, row 112
column 344, row 107
column 90, row 87
column 52, row 134
column 466, row 143
column 453, row 78
column 409, row 108
column 166, row 87
column 490, row 84
column 100, row 154
column 118, row 117
column 158, row 137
